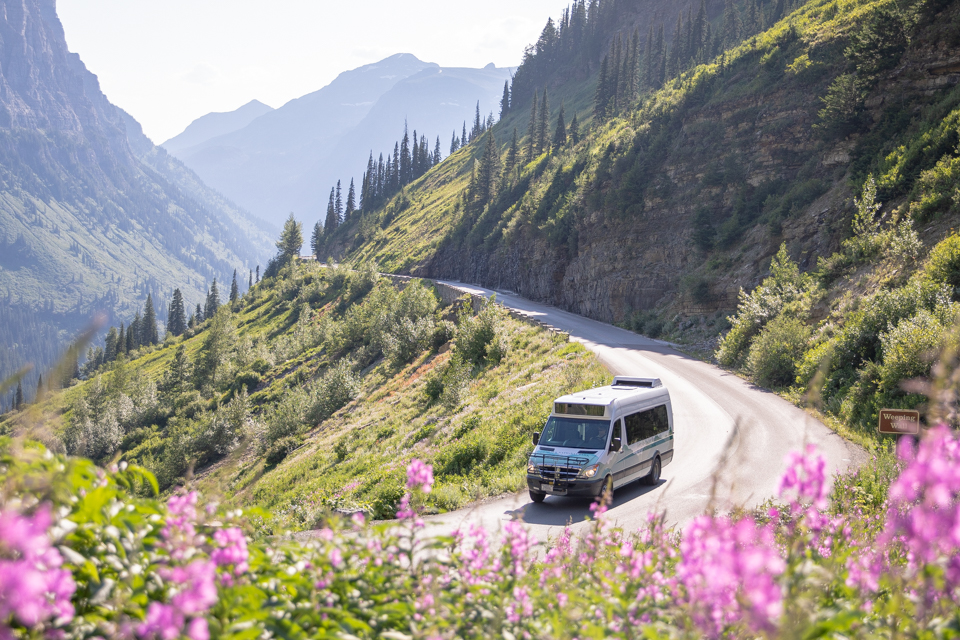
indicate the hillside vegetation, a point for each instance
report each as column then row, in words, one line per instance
column 656, row 215
column 313, row 390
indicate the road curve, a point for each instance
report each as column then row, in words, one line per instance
column 731, row 437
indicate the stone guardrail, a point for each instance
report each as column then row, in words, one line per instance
column 449, row 294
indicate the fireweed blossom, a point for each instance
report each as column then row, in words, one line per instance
column 729, row 571
column 924, row 511
column 33, row 587
column 231, row 550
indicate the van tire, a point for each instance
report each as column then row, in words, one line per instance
column 537, row 497
column 654, row 476
column 607, row 487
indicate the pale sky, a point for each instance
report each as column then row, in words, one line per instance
column 168, row 62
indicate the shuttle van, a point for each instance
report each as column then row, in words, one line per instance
column 616, row 434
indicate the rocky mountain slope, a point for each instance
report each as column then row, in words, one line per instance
column 287, row 159
column 680, row 200
column 214, row 125
column 93, row 217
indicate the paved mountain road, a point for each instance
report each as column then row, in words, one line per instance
column 726, row 429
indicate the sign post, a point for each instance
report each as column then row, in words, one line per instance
column 899, row 422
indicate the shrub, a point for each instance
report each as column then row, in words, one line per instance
column 248, row 379
column 443, row 332
column 463, row 456
column 338, row 386
column 475, row 334
column 910, row 348
column 281, row 448
column 943, row 265
column 773, row 356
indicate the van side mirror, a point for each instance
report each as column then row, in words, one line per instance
column 536, row 438
column 615, row 445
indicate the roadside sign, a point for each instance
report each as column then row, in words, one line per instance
column 899, row 421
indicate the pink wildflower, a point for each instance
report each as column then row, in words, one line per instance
column 419, row 476
column 231, row 549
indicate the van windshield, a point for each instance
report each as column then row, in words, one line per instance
column 575, row 433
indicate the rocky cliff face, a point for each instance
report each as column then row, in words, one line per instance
column 100, row 217
column 752, row 151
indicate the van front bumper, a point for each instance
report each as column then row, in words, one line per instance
column 591, row 488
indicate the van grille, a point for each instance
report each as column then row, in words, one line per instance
column 558, row 467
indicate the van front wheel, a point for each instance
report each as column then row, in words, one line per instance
column 537, row 497
column 654, row 476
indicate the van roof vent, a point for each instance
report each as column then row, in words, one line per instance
column 637, row 383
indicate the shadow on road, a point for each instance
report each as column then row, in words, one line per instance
column 560, row 511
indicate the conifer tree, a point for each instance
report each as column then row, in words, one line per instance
column 176, row 316
column 512, row 154
column 489, row 169
column 532, row 129
column 454, row 143
column 257, row 280
column 316, row 239
column 415, row 157
column 338, row 204
column 289, row 244
column 250, row 281
column 110, row 350
column 234, row 288
column 40, row 390
column 731, row 25
column 198, row 314
column 574, row 130
column 121, row 340
column 213, row 299
column 133, row 334
column 436, row 153
column 476, row 124
column 543, row 126
column 148, row 326
column 601, row 98
column 505, row 100
column 661, row 59
column 18, row 398
column 464, row 141
column 405, row 168
column 331, row 221
column 674, row 67
column 560, row 137
column 649, row 55
column 351, row 205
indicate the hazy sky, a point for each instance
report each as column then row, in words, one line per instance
column 168, row 62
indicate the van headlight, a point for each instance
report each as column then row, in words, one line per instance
column 532, row 468
column 589, row 472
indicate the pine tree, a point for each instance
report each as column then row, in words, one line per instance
column 176, row 316
column 338, row 204
column 257, row 280
column 512, row 154
column 436, row 153
column 110, row 345
column 250, row 281
column 646, row 73
column 351, row 201
column 731, row 25
column 148, row 326
column 331, row 222
column 476, row 124
column 133, row 334
column 574, row 130
column 121, row 340
column 661, row 59
column 289, row 244
column 489, row 170
column 601, row 97
column 198, row 314
column 543, row 126
column 316, row 239
column 464, row 141
column 405, row 168
column 40, row 390
column 532, row 129
column 234, row 288
column 213, row 300
column 675, row 66
column 505, row 100
column 560, row 137
column 18, row 398
column 454, row 143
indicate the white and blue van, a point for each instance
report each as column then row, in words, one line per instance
column 616, row 435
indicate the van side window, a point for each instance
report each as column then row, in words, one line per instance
column 655, row 422
column 634, row 425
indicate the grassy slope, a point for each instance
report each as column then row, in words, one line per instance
column 356, row 458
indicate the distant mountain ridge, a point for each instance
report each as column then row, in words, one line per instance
column 213, row 125
column 97, row 215
column 288, row 158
